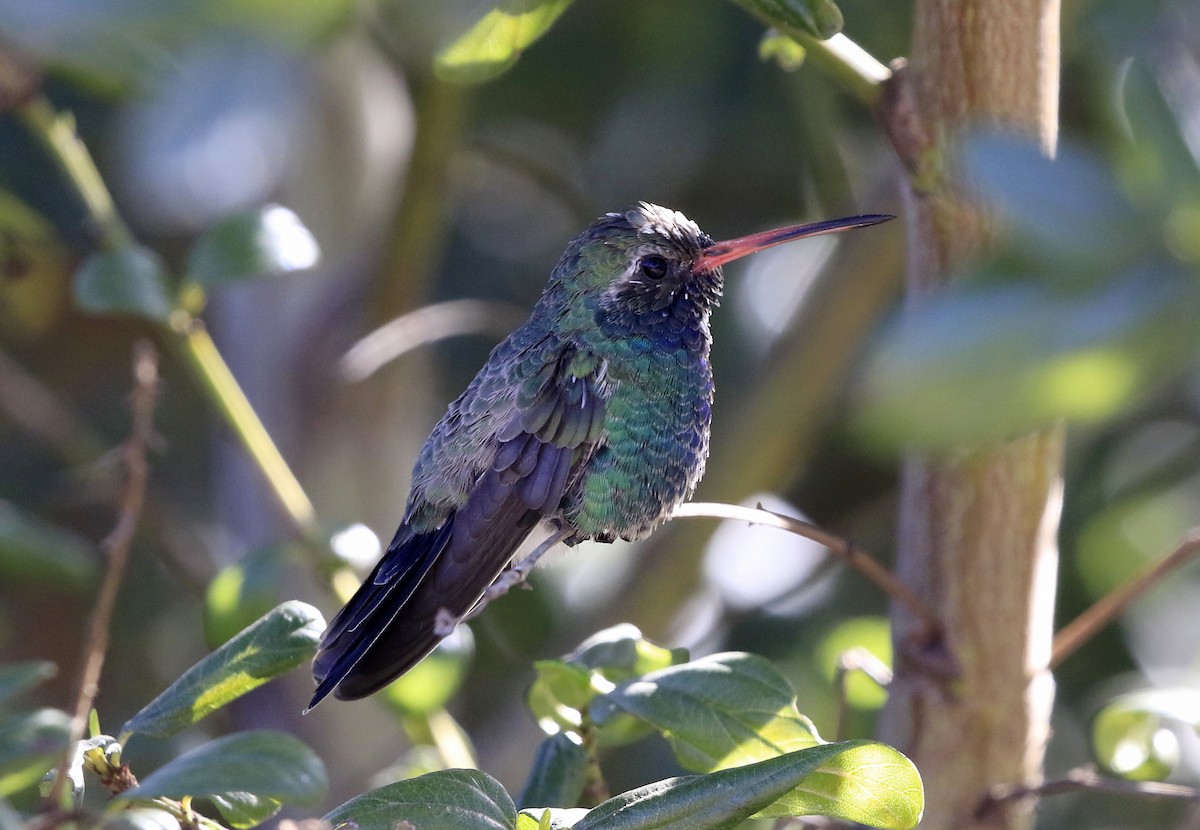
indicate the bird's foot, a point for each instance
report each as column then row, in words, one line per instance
column 446, row 621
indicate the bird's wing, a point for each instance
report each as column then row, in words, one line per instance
column 551, row 428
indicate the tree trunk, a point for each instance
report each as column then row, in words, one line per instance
column 977, row 530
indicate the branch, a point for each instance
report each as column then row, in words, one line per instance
column 116, row 547
column 1086, row 777
column 854, row 556
column 425, row 326
column 1112, row 605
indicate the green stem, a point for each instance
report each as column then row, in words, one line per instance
column 851, row 65
column 222, row 388
column 56, row 131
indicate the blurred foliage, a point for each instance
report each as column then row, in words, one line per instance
column 200, row 114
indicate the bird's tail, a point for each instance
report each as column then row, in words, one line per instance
column 390, row 624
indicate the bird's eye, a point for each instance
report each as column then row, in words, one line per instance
column 653, row 267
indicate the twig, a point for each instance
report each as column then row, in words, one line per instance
column 1113, row 604
column 424, row 326
column 852, row 660
column 116, row 547
column 217, row 380
column 854, row 556
column 1085, row 777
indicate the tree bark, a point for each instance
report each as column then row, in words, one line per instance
column 978, row 530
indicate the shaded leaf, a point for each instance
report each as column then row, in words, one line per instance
column 559, row 773
column 1131, row 735
column 621, row 652
column 495, row 42
column 457, row 799
column 242, row 810
column 128, row 280
column 819, row 18
column 16, row 678
column 279, row 641
column 718, row 711
column 30, row 743
column 1067, row 210
column 263, row 763
column 978, row 364
column 254, row 243
column 35, row 550
column 722, row 799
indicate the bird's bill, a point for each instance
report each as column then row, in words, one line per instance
column 732, row 249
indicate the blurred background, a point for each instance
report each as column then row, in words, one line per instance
column 420, row 190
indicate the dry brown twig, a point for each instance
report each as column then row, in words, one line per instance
column 1086, row 778
column 116, row 547
column 1112, row 605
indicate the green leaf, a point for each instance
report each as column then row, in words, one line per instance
column 621, row 652
column 243, row 810
column 128, row 280
column 559, row 773
column 140, row 818
column 16, row 678
column 457, row 799
column 1067, row 210
column 549, row 818
column 819, row 18
column 30, row 743
column 982, row 363
column 718, row 711
column 781, row 49
column 263, row 763
column 242, row 592
column 34, row 550
column 427, row 686
column 722, row 799
column 261, row 242
column 492, row 45
column 1131, row 737
column 559, row 694
column 279, row 641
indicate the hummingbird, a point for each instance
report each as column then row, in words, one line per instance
column 593, row 417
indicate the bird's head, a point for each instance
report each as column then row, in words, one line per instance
column 646, row 258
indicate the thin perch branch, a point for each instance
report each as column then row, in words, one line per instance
column 854, row 556
column 1112, row 605
column 1086, row 777
column 116, row 547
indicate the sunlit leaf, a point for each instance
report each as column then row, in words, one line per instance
column 549, row 818
column 263, row 763
column 820, row 18
column 30, row 743
column 870, row 633
column 784, row 51
column 811, row 777
column 279, row 641
column 718, row 711
column 34, row 550
column 1068, row 210
column 559, row 773
column 255, row 243
column 621, row 652
column 1131, row 735
column 128, row 280
column 16, row 678
column 140, row 818
column 428, row 685
column 457, row 799
column 242, row 810
column 495, row 42
column 983, row 363
column 242, row 592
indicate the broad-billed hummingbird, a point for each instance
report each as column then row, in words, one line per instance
column 592, row 416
